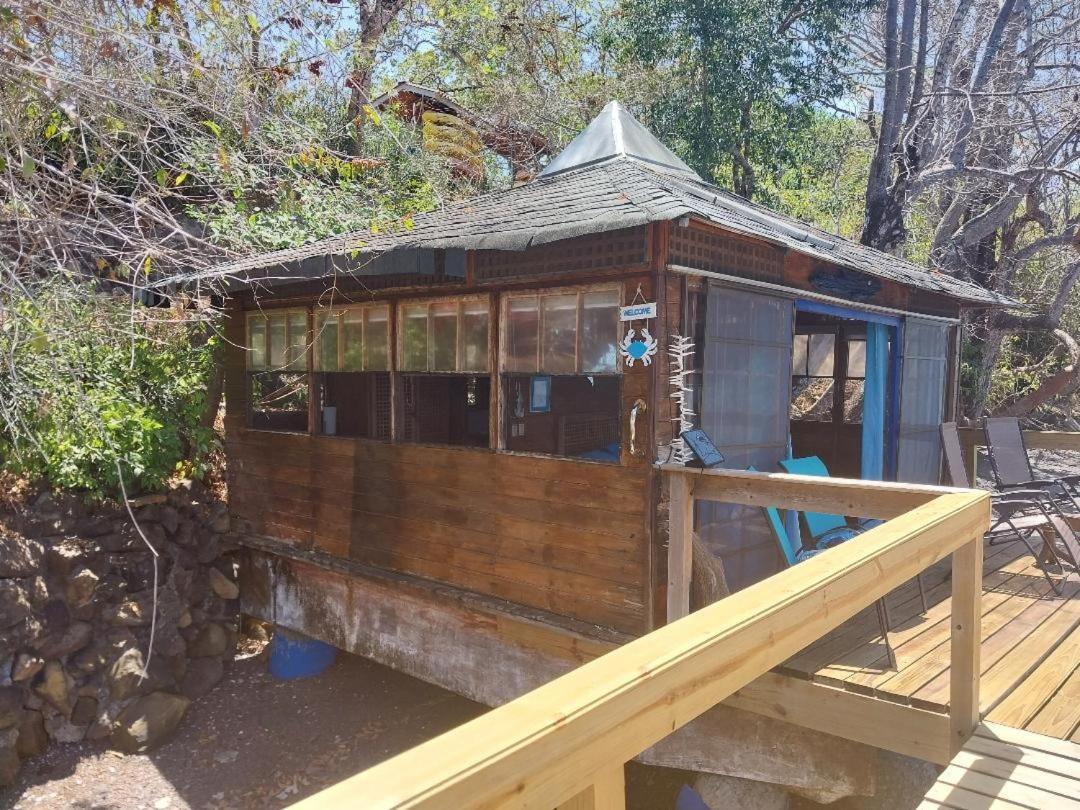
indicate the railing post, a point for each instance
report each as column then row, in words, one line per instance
column 967, row 563
column 608, row 792
column 680, row 545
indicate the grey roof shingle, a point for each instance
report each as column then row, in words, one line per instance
column 618, row 193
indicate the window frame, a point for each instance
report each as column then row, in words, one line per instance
column 250, row 370
column 266, row 314
column 398, row 314
column 580, row 291
column 340, row 312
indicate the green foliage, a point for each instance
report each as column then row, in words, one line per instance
column 738, row 76
column 94, row 387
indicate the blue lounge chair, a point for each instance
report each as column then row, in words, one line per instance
column 827, row 530
column 794, row 554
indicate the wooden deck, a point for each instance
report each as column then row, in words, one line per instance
column 1001, row 767
column 1030, row 648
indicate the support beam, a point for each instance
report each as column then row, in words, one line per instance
column 967, row 563
column 608, row 792
column 880, row 723
column 680, row 546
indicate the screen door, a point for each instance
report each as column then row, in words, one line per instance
column 922, row 400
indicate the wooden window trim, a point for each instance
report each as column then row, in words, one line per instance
column 580, row 290
column 339, row 312
column 266, row 314
column 398, row 313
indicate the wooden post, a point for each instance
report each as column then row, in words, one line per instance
column 967, row 563
column 608, row 792
column 680, row 545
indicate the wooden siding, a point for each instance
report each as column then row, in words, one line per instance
column 563, row 536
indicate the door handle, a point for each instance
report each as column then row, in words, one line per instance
column 639, row 407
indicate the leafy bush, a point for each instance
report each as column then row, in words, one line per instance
column 92, row 386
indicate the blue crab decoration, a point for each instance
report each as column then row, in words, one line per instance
column 641, row 348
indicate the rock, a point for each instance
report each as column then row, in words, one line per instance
column 11, row 705
column 169, row 519
column 211, row 640
column 9, row 766
column 20, row 556
column 128, row 614
column 32, row 735
column 52, row 685
column 125, row 676
column 37, row 591
column 73, row 639
column 62, row 557
column 27, row 665
column 202, row 675
column 148, row 722
column 60, row 729
column 184, row 620
column 85, row 711
column 723, row 792
column 222, row 585
column 185, row 533
column 93, row 526
column 81, row 586
column 14, row 603
column 220, row 522
column 209, row 549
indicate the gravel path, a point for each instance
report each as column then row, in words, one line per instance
column 253, row 742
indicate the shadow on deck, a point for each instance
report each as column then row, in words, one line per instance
column 1030, row 660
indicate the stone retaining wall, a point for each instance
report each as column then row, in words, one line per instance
column 76, row 602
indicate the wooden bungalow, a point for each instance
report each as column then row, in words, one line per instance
column 443, row 442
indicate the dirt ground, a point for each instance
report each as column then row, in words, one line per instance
column 253, row 742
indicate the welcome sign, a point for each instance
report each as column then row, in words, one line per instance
column 637, row 312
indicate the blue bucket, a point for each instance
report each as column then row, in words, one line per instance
column 293, row 655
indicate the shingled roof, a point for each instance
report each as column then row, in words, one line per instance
column 614, row 175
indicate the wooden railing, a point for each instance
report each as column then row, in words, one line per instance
column 565, row 744
column 972, row 438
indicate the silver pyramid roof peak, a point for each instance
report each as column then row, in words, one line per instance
column 616, row 133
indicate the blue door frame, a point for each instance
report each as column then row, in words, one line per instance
column 896, row 333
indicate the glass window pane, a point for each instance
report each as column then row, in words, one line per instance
column 523, row 333
column 276, row 325
column 414, row 353
column 600, row 331
column 352, row 333
column 474, row 336
column 560, row 334
column 298, row 340
column 326, row 342
column 377, row 339
column 444, row 316
column 820, row 355
column 257, row 341
column 856, row 358
column 798, row 356
column 812, row 399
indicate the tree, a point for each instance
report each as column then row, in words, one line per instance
column 978, row 132
column 140, row 141
column 735, row 80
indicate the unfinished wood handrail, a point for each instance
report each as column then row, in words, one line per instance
column 972, row 438
column 564, row 743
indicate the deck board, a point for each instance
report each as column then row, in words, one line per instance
column 1030, row 663
column 1002, row 767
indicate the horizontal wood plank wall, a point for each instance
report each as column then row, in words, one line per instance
column 563, row 536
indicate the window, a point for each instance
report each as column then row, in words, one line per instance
column 444, row 391
column 854, row 380
column 561, row 381
column 352, row 364
column 444, row 336
column 812, row 383
column 277, row 370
